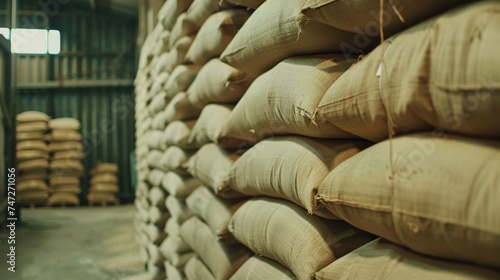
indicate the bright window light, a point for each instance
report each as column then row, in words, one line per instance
column 29, row 41
column 54, row 42
column 5, row 32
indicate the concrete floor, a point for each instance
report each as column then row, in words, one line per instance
column 74, row 243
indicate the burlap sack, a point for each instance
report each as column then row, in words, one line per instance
column 292, row 168
column 212, row 165
column 34, row 164
column 284, row 232
column 158, row 85
column 159, row 68
column 159, row 121
column 102, row 197
column 105, row 187
column 221, row 259
column 155, row 272
column 157, row 197
column 31, row 185
column 31, row 145
column 171, row 10
column 68, row 155
column 155, row 176
column 158, row 216
column 106, row 178
column 65, row 135
column 64, row 124
column 218, row 82
column 32, row 116
column 195, row 269
column 215, row 34
column 23, row 155
column 180, row 79
column 156, row 236
column 177, row 209
column 39, row 126
column 417, row 88
column 283, row 100
column 74, row 189
column 33, row 197
column 181, row 28
column 64, row 164
column 154, row 140
column 172, row 228
column 209, row 126
column 41, row 174
column 104, row 167
column 178, row 52
column 65, row 146
column 439, row 200
column 278, row 30
column 58, row 181
column 200, row 11
column 173, row 247
column 216, row 212
column 173, row 273
column 178, row 185
column 181, row 109
column 381, row 259
column 158, row 103
column 262, row 268
column 155, row 256
column 173, row 159
column 252, row 4
column 63, row 198
column 177, row 133
column 154, row 159
column 24, row 136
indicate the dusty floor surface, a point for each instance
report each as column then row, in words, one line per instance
column 74, row 243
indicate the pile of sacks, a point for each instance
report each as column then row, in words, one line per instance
column 32, row 154
column 104, row 184
column 312, row 161
column 66, row 154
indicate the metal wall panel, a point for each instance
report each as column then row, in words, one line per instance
column 107, row 118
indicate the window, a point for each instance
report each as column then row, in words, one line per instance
column 33, row 41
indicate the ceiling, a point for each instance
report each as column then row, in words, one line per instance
column 122, row 7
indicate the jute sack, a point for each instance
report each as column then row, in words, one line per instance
column 64, row 124
column 195, row 269
column 104, row 167
column 23, row 155
column 64, row 164
column 221, row 259
column 65, row 146
column 215, row 34
column 283, row 100
column 278, row 30
column 177, row 133
column 63, row 198
column 59, row 181
column 178, row 185
column 31, row 185
column 71, row 155
column 158, row 216
column 284, row 232
column 216, row 212
column 181, row 28
column 180, row 79
column 34, row 164
column 212, row 165
column 41, row 174
column 209, row 126
column 177, row 209
column 178, row 52
column 171, row 10
column 417, row 88
column 40, row 126
column 102, row 197
column 174, row 246
column 381, row 259
column 105, row 187
column 31, row 145
column 157, row 197
column 173, row 159
column 104, row 177
column 173, row 273
column 218, row 82
column 441, row 200
column 33, row 197
column 262, row 268
column 292, row 168
column 200, row 11
column 74, row 189
column 65, row 135
column 252, row 4
column 23, row 136
column 32, row 116
column 159, row 121
column 181, row 109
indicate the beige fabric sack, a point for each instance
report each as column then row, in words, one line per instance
column 63, row 198
column 65, row 146
column 40, row 126
column 158, row 216
column 64, row 164
column 212, row 165
column 41, row 174
column 179, row 260
column 278, row 30
column 157, row 197
column 284, row 232
column 33, row 197
column 158, row 103
column 23, row 155
column 32, row 116
column 215, row 34
column 31, row 185
column 221, row 259
column 172, row 228
column 173, row 273
column 381, row 259
column 292, row 168
column 181, row 28
column 109, row 178
column 218, row 82
column 104, row 167
column 64, row 124
column 154, row 140
column 68, row 155
column 262, row 268
column 417, row 90
column 178, row 185
column 283, row 100
column 34, row 164
column 174, row 246
column 252, row 4
column 31, row 145
column 173, row 159
column 155, row 176
column 154, row 159
column 177, row 209
column 200, row 11
column 155, row 256
column 177, row 133
column 58, row 181
column 441, row 200
column 180, row 79
column 209, row 126
column 65, row 135
column 158, row 85
column 74, row 189
column 24, row 136
column 159, row 121
column 178, row 52
column 156, row 236
column 181, row 109
column 171, row 10
column 155, row 271
column 195, row 269
column 105, row 187
column 216, row 212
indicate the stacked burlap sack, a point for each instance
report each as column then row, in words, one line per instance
column 32, row 154
column 104, row 184
column 66, row 154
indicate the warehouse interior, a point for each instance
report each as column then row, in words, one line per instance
column 249, row 139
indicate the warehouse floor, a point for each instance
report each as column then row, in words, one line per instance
column 74, row 243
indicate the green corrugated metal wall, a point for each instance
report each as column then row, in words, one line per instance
column 107, row 117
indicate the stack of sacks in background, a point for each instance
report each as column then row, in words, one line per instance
column 430, row 193
column 65, row 163
column 104, row 184
column 32, row 156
